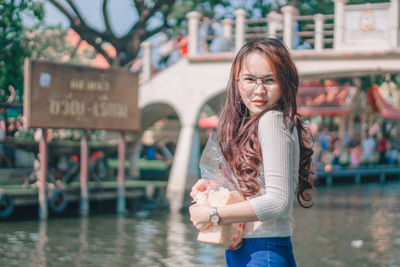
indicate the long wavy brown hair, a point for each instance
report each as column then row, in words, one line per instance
column 237, row 131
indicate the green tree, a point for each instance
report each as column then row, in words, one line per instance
column 14, row 45
column 51, row 43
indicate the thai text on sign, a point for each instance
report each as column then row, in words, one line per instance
column 65, row 96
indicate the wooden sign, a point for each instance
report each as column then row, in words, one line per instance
column 66, row 96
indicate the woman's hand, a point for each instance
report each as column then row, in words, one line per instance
column 202, row 185
column 200, row 215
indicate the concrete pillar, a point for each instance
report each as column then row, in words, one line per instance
column 84, row 175
column 121, row 202
column 274, row 23
column 240, row 30
column 288, row 13
column 193, row 32
column 134, row 158
column 319, row 32
column 42, row 186
column 338, row 34
column 227, row 25
column 394, row 23
column 146, row 67
column 184, row 172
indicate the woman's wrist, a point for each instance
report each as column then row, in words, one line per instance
column 240, row 212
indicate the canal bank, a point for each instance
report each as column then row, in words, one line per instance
column 17, row 201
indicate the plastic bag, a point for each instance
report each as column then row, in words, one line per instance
column 222, row 188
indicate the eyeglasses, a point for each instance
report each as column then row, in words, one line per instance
column 250, row 82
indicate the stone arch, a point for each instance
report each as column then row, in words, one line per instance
column 155, row 111
column 209, row 109
column 215, row 101
column 152, row 113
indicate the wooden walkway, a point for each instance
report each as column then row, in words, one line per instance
column 359, row 175
column 14, row 196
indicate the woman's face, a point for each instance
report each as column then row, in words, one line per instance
column 258, row 87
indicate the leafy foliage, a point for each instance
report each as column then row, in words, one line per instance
column 51, row 43
column 13, row 42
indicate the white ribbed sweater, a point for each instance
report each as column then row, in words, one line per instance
column 278, row 178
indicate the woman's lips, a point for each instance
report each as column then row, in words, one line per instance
column 259, row 102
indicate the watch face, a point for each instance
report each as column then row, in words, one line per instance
column 214, row 219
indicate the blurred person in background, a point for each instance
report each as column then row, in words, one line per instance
column 207, row 33
column 355, row 153
column 383, row 144
column 368, row 148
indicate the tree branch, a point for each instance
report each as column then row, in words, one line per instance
column 63, row 10
column 154, row 31
column 101, row 51
column 146, row 13
column 106, row 17
column 77, row 13
column 90, row 38
column 139, row 6
column 80, row 28
column 162, row 27
column 74, row 52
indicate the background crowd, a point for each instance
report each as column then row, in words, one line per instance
column 381, row 146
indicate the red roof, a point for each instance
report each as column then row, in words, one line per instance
column 380, row 105
column 99, row 61
column 324, row 100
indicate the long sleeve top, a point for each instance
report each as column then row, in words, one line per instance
column 278, row 178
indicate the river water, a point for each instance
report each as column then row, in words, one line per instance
column 348, row 226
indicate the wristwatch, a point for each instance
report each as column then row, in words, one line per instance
column 214, row 217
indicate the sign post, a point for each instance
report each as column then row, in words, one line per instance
column 121, row 204
column 84, row 206
column 79, row 97
column 43, row 153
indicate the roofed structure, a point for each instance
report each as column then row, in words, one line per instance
column 325, row 100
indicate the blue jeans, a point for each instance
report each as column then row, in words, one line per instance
column 266, row 251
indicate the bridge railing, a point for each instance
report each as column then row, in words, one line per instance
column 317, row 32
column 298, row 32
column 313, row 32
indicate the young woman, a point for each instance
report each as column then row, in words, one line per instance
column 269, row 150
